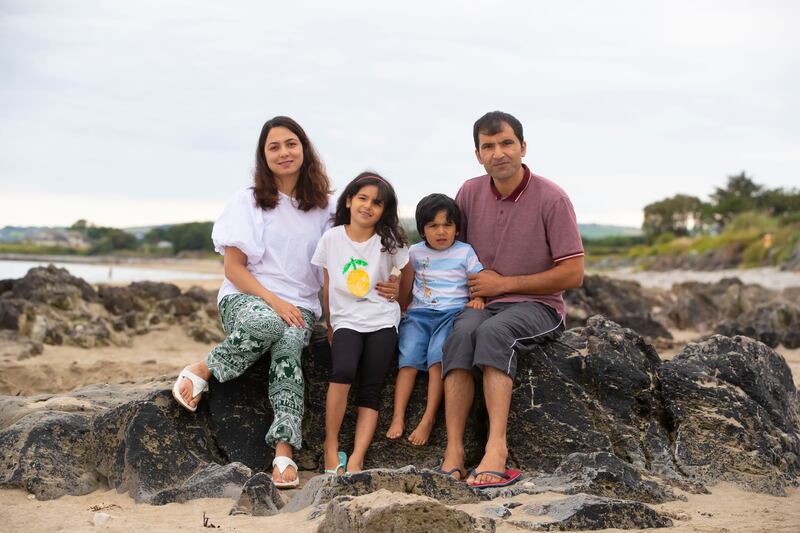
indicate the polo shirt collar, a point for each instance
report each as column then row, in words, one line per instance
column 516, row 193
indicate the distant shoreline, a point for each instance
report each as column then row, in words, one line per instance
column 212, row 266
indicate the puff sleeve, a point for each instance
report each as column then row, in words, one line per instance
column 240, row 225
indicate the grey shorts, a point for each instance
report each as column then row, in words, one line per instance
column 495, row 336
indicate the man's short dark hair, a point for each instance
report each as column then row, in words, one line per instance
column 429, row 207
column 492, row 122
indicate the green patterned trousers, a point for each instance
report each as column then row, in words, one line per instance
column 253, row 328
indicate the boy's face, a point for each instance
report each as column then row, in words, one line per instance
column 439, row 232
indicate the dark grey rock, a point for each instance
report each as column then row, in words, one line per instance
column 773, row 323
column 213, row 481
column 258, row 497
column 591, row 512
column 49, row 454
column 622, row 301
column 324, row 488
column 499, row 512
column 148, row 446
column 734, row 413
column 351, row 515
column 605, row 474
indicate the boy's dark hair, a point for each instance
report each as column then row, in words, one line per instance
column 429, row 207
column 492, row 122
column 388, row 226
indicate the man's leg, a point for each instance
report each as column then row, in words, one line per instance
column 497, row 343
column 497, row 386
column 459, row 384
column 459, row 391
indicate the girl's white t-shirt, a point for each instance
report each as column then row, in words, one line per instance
column 354, row 268
column 278, row 244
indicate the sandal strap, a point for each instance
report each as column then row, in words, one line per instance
column 283, row 462
column 199, row 385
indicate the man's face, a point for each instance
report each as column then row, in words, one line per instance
column 500, row 154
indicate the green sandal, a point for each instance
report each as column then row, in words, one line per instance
column 342, row 465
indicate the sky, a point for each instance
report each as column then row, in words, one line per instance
column 148, row 112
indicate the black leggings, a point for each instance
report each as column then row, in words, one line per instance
column 371, row 354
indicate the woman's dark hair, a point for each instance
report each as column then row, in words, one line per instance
column 313, row 186
column 388, row 226
column 429, row 207
column 492, row 122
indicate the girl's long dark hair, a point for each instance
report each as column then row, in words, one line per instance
column 313, row 186
column 388, row 226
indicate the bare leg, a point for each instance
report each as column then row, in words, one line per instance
column 402, row 393
column 365, row 428
column 423, row 430
column 200, row 369
column 459, row 390
column 335, row 406
column 497, row 387
column 290, row 474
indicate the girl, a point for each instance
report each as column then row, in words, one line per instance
column 268, row 300
column 365, row 246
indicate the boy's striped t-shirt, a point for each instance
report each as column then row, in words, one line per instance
column 440, row 276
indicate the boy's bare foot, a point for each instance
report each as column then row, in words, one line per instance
column 421, row 434
column 396, row 428
column 199, row 369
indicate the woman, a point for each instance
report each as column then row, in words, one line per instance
column 268, row 300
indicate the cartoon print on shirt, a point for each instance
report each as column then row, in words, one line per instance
column 357, row 279
column 426, row 290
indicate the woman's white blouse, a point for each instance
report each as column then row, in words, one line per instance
column 278, row 244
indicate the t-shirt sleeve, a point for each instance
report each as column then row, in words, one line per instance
column 320, row 257
column 400, row 257
column 473, row 263
column 562, row 230
column 241, row 225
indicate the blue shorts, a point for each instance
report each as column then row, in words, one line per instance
column 422, row 334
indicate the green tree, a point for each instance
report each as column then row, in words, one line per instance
column 677, row 215
column 738, row 196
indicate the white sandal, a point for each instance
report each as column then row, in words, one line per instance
column 283, row 462
column 199, row 386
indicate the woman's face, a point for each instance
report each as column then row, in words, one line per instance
column 284, row 153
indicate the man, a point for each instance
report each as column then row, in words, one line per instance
column 523, row 228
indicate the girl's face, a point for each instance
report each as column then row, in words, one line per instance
column 284, row 153
column 439, row 233
column 365, row 207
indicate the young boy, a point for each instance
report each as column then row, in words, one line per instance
column 438, row 291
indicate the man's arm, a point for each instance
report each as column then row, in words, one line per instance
column 567, row 274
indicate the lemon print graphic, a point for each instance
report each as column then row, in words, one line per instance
column 357, row 279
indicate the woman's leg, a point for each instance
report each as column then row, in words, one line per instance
column 346, row 350
column 286, row 393
column 251, row 327
column 379, row 351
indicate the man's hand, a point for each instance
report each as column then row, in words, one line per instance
column 486, row 283
column 476, row 303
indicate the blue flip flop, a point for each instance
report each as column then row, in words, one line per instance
column 342, row 464
column 449, row 473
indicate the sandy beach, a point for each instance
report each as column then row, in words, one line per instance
column 162, row 353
